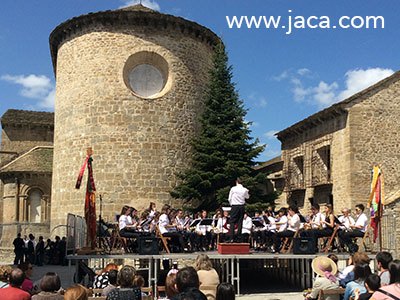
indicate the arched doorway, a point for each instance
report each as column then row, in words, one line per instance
column 35, row 205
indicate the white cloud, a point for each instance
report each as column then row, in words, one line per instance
column 303, row 71
column 270, row 134
column 148, row 3
column 260, row 101
column 359, row 79
column 283, row 75
column 37, row 87
column 325, row 94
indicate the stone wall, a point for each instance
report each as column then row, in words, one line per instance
column 23, row 138
column 374, row 139
column 139, row 144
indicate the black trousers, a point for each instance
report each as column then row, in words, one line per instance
column 347, row 238
column 317, row 233
column 237, row 214
column 176, row 238
column 129, row 233
column 279, row 235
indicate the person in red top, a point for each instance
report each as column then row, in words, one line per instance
column 14, row 292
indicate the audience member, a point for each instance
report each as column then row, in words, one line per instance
column 76, row 292
column 13, row 291
column 27, row 268
column 391, row 291
column 361, row 272
column 40, row 252
column 5, row 272
column 127, row 290
column 101, row 280
column 207, row 275
column 50, row 285
column 372, row 284
column 335, row 260
column 187, row 282
column 383, row 259
column 225, row 291
column 171, row 288
column 359, row 257
column 112, row 282
column 325, row 268
column 138, row 281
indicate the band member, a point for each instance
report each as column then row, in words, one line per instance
column 203, row 233
column 346, row 220
column 237, row 197
column 258, row 232
column 166, row 228
column 316, row 222
column 246, row 228
column 325, row 227
column 126, row 226
column 281, row 221
column 152, row 209
column 293, row 224
column 223, row 226
column 357, row 230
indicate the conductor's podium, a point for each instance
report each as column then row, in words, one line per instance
column 233, row 248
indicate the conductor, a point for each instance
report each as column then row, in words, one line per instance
column 237, row 196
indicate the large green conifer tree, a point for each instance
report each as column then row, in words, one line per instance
column 223, row 150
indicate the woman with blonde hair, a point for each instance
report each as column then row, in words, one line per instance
column 101, row 280
column 208, row 277
column 76, row 292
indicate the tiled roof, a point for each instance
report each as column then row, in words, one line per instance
column 15, row 116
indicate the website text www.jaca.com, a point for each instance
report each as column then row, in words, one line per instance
column 290, row 22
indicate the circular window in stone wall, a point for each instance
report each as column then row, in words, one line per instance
column 146, row 74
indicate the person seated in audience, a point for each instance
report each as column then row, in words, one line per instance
column 170, row 285
column 225, row 291
column 138, row 281
column 187, row 282
column 382, row 262
column 112, row 282
column 335, row 260
column 247, row 225
column 27, row 285
column 326, row 280
column 293, row 225
column 76, row 292
column 359, row 257
column 127, row 289
column 50, row 285
column 357, row 230
column 5, row 272
column 207, row 275
column 392, row 290
column 372, row 284
column 101, row 280
column 346, row 220
column 14, row 291
column 361, row 272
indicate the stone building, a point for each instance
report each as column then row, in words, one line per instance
column 26, row 159
column 328, row 157
column 129, row 84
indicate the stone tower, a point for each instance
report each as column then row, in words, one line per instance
column 129, row 84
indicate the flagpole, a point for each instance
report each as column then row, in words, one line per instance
column 380, row 212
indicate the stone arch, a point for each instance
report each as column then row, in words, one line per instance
column 36, row 205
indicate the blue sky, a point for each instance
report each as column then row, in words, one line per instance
column 282, row 78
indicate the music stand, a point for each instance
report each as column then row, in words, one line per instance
column 206, row 222
column 257, row 223
column 194, row 223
